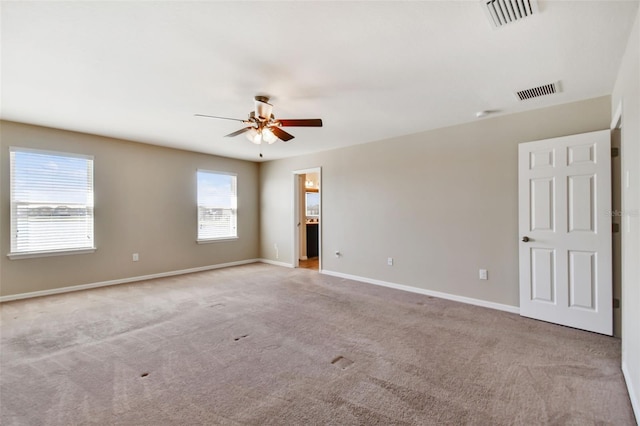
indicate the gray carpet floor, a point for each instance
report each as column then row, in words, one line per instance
column 265, row 345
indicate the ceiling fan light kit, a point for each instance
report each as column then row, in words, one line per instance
column 263, row 126
column 256, row 136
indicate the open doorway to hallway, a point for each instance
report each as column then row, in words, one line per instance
column 308, row 218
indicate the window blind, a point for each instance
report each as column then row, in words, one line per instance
column 217, row 205
column 51, row 201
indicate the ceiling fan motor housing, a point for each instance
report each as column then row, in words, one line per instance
column 263, row 108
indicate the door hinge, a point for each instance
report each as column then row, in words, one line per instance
column 615, row 152
column 616, row 303
column 615, row 227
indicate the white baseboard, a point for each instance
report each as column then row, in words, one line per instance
column 633, row 396
column 455, row 298
column 468, row 300
column 276, row 263
column 122, row 281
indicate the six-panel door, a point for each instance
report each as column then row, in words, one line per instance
column 564, row 201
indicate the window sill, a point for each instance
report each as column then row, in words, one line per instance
column 217, row 240
column 29, row 255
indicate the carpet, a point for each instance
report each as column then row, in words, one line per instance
column 265, row 345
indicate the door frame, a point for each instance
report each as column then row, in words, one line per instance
column 297, row 220
column 617, row 193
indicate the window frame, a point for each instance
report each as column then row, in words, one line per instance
column 200, row 240
column 13, row 207
column 311, row 194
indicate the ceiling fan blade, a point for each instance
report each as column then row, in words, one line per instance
column 281, row 134
column 238, row 132
column 222, row 118
column 310, row 122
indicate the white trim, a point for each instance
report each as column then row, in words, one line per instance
column 32, row 254
column 121, row 281
column 305, row 171
column 216, row 240
column 217, row 172
column 276, row 263
column 633, row 396
column 617, row 117
column 297, row 220
column 440, row 295
column 462, row 299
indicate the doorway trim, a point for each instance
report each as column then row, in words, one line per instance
column 617, row 237
column 297, row 220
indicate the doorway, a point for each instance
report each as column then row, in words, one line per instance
column 307, row 218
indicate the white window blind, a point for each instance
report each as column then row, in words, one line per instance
column 217, row 205
column 51, row 201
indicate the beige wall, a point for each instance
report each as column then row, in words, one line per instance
column 145, row 202
column 627, row 93
column 442, row 203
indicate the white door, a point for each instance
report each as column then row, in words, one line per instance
column 565, row 231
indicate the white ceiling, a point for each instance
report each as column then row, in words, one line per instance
column 370, row 70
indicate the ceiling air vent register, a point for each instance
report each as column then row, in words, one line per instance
column 535, row 92
column 503, row 12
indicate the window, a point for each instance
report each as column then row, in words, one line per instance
column 51, row 202
column 312, row 203
column 217, row 206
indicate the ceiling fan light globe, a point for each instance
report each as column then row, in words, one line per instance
column 268, row 136
column 254, row 136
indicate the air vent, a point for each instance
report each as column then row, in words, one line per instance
column 503, row 12
column 536, row 92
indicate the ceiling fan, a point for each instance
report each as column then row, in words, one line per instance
column 263, row 126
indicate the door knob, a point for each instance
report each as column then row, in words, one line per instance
column 525, row 239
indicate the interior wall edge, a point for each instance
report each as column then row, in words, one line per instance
column 633, row 396
column 276, row 263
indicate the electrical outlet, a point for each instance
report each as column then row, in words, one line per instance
column 390, row 261
column 135, row 257
column 483, row 274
